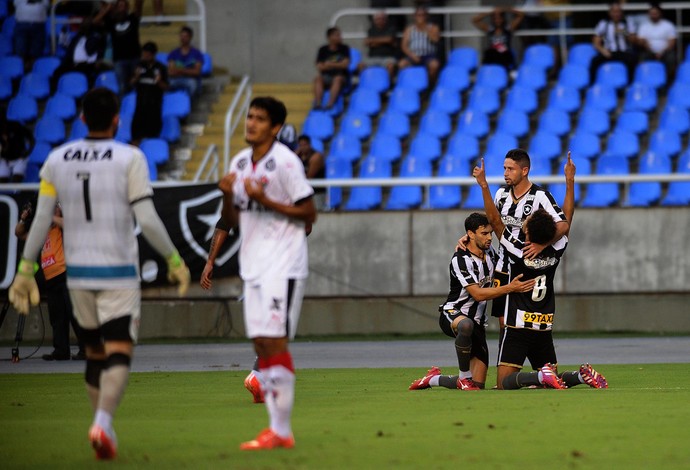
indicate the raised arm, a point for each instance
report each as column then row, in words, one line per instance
column 569, row 202
column 489, row 207
column 518, row 16
column 478, row 22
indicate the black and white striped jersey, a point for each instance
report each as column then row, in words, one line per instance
column 514, row 212
column 467, row 269
column 533, row 309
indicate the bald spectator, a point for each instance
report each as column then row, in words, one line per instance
column 657, row 39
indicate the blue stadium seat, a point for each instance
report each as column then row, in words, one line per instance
column 73, row 84
column 355, row 59
column 425, row 146
column 558, row 189
column 564, row 98
column 408, row 197
column 385, row 146
column 22, row 108
column 500, row 143
column 683, row 73
column 124, row 130
column 436, row 123
column 539, row 55
column 318, row 125
column 463, row 147
column 679, row 95
column 35, row 85
column 357, row 124
column 346, row 147
column 554, row 121
column 78, row 129
column 317, row 144
column 11, row 66
column 574, row 76
column 539, row 167
column 108, row 80
column 394, row 123
column 581, row 54
column 651, row 73
column 62, row 106
column 404, row 100
column 337, row 107
column 5, row 46
column 415, row 78
column 645, row 193
column 446, row 100
column 675, row 118
column 639, row 97
column 50, row 129
column 584, row 145
column 176, row 103
column 364, row 198
column 337, row 168
column 544, row 145
column 448, row 196
column 5, row 88
column 593, row 120
column 491, row 76
column 207, row 65
column 454, row 77
column 666, row 141
column 128, row 104
column 623, row 144
column 156, row 150
column 678, row 193
column 522, row 99
column 465, row 57
column 46, row 65
column 484, row 99
column 39, row 153
column 605, row 194
column 365, row 100
column 375, row 78
column 162, row 57
column 531, row 76
column 8, row 26
column 474, row 123
column 601, row 97
column 513, row 122
column 636, row 122
column 612, row 74
column 171, row 130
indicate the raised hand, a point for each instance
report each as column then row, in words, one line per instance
column 479, row 174
column 569, row 168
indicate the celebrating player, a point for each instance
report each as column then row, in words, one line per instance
column 529, row 315
column 463, row 316
column 101, row 185
column 267, row 195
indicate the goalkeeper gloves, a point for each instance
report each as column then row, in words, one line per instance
column 178, row 273
column 24, row 289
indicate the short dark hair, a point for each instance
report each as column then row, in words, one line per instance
column 474, row 221
column 304, row 137
column 150, row 47
column 331, row 30
column 275, row 108
column 541, row 227
column 520, row 156
column 188, row 30
column 100, row 106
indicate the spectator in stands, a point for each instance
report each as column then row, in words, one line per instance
column 657, row 39
column 184, row 64
column 84, row 54
column 420, row 44
column 382, row 43
column 332, row 62
column 314, row 166
column 150, row 81
column 123, row 27
column 288, row 136
column 16, row 143
column 614, row 39
column 30, row 29
column 499, row 33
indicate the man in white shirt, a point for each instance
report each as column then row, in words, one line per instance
column 657, row 39
column 30, row 30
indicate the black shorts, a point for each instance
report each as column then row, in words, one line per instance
column 519, row 344
column 480, row 349
column 498, row 305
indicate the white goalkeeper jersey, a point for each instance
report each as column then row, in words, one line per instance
column 96, row 181
column 272, row 244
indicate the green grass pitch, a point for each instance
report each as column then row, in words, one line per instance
column 357, row 418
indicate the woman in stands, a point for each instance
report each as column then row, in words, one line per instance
column 499, row 33
column 420, row 44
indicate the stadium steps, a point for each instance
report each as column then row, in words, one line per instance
column 296, row 96
column 166, row 36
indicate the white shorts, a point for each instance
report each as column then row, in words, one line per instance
column 93, row 308
column 272, row 307
column 13, row 167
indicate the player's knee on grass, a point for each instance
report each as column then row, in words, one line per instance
column 465, row 327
